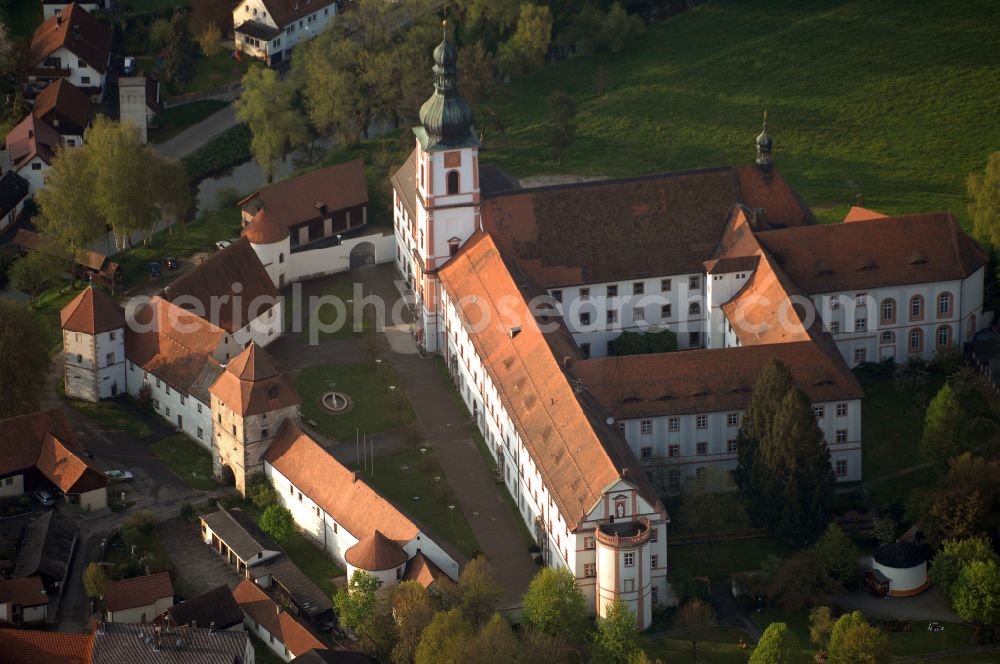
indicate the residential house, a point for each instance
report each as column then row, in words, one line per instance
column 121, row 643
column 65, row 108
column 52, row 8
column 23, row 600
column 13, row 193
column 268, row 29
column 46, row 550
column 215, row 609
column 32, row 145
column 139, row 599
column 31, row 646
column 332, row 657
column 74, row 46
column 343, row 514
column 277, row 628
column 91, row 265
column 39, row 451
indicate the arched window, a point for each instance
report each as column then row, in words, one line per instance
column 916, row 308
column 888, row 338
column 888, row 310
column 694, row 309
column 453, row 182
column 916, row 340
column 943, row 336
column 944, row 305
column 281, row 257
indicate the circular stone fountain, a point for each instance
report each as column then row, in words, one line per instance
column 335, row 402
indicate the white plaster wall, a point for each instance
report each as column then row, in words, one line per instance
column 276, row 259
column 903, row 580
column 138, row 614
column 12, row 486
column 77, row 74
column 272, row 642
column 264, row 329
column 97, row 499
column 111, row 372
column 193, row 413
column 314, row 263
column 35, row 178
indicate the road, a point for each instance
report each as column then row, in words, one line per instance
column 198, row 135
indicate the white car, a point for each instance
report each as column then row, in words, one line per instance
column 122, row 475
column 222, row 244
column 45, row 498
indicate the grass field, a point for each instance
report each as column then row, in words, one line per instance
column 110, row 416
column 716, row 645
column 173, row 121
column 330, row 316
column 373, row 409
column 313, row 562
column 407, row 478
column 720, row 559
column 191, row 462
column 883, row 98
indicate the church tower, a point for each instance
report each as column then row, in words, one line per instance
column 764, row 143
column 446, row 165
column 250, row 400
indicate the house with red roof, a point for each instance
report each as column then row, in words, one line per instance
column 73, row 46
column 93, row 328
column 268, row 29
column 279, row 630
column 65, row 108
column 23, row 601
column 139, row 599
column 32, row 145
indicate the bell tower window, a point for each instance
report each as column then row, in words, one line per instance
column 453, row 182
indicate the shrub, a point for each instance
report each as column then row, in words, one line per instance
column 142, row 522
column 276, row 521
column 159, row 34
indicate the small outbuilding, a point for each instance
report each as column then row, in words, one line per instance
column 904, row 565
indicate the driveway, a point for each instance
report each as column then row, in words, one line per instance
column 198, row 567
column 198, row 134
column 928, row 605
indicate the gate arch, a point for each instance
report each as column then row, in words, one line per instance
column 362, row 255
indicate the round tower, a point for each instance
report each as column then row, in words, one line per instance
column 272, row 243
column 379, row 556
column 623, row 567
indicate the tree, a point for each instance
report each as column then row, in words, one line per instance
column 477, row 75
column 617, row 28
column 820, row 625
column 798, row 478
column 479, row 592
column 488, row 21
column 945, row 432
column 525, row 51
column 265, row 106
column 24, row 359
column 954, row 556
column 36, row 272
column 966, row 501
column 562, row 114
column 640, row 657
column 179, row 63
column 854, row 641
column 976, row 594
column 412, row 611
column 884, row 529
column 778, row 645
column 701, row 510
column 553, row 604
column 448, row 639
column 838, row 555
column 799, row 582
column 693, row 615
column 369, row 20
column 538, row 647
column 617, row 635
column 69, row 216
column 94, row 581
column 260, row 491
column 328, row 71
column 984, row 201
column 356, row 603
column 496, row 642
column 209, row 39
column 10, row 66
column 159, row 34
column 276, row 521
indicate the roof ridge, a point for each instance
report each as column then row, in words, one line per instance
column 628, row 179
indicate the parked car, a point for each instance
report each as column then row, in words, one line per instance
column 45, row 498
column 154, row 269
column 121, row 475
column 170, row 262
column 128, row 68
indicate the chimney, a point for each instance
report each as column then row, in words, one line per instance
column 277, row 609
column 624, row 473
column 211, row 627
column 859, row 200
column 354, row 477
column 59, row 19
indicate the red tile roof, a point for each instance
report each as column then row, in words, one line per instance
column 578, row 456
column 67, row 469
column 354, row 504
column 422, row 569
column 65, row 98
column 31, row 137
column 253, row 384
column 316, row 194
column 893, row 251
column 375, row 552
column 138, row 591
column 25, row 591
column 288, row 11
column 862, row 214
column 709, row 380
column 78, row 32
column 24, row 646
column 262, row 609
column 44, row 440
column 264, row 229
column 92, row 312
column 232, row 285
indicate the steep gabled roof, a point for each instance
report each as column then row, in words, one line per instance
column 265, row 229
column 911, row 249
column 31, row 646
column 262, row 609
column 26, row 591
column 69, row 470
column 215, row 606
column 232, row 286
column 66, row 99
column 92, row 312
column 857, row 213
column 577, row 458
column 44, row 440
column 32, row 137
column 422, row 569
column 76, row 30
column 46, row 546
column 137, row 591
column 316, row 194
column 252, row 383
column 346, row 497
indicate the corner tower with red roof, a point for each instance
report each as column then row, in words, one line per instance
column 93, row 327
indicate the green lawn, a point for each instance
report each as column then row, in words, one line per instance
column 374, row 409
column 213, row 72
column 313, row 562
column 716, row 645
column 339, row 313
column 719, row 560
column 110, row 416
column 174, row 120
column 46, row 308
column 189, row 460
column 180, row 241
column 882, row 98
column 407, row 478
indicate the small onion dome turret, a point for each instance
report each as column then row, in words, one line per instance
column 375, row 553
column 445, row 118
column 764, row 144
column 265, row 229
